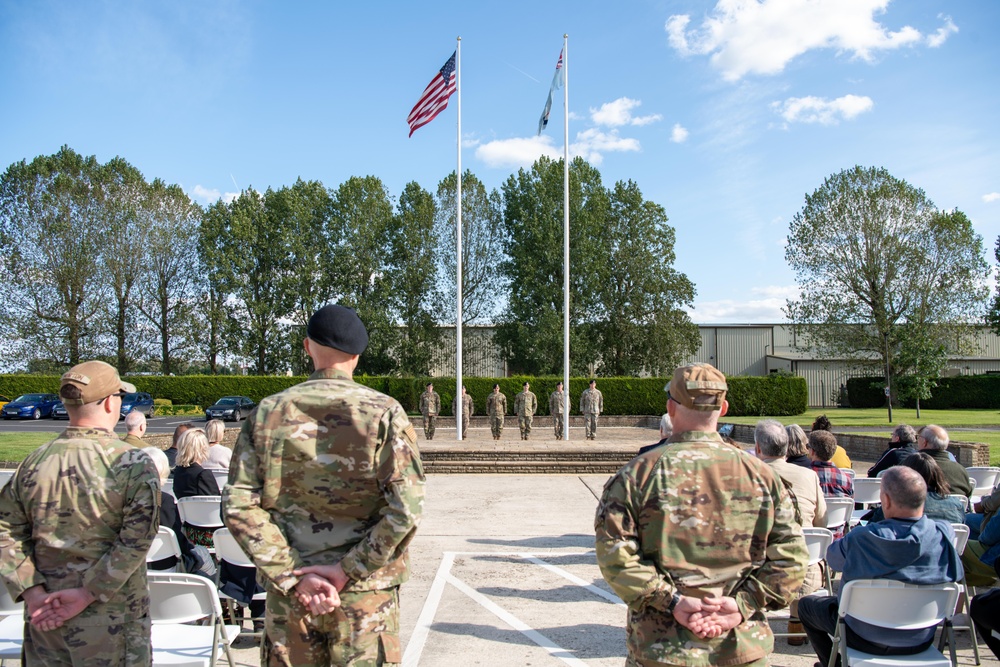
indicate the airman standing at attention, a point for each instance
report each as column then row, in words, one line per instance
column 496, row 408
column 525, row 405
column 468, row 408
column 430, row 406
column 558, row 407
column 591, row 406
column 326, row 493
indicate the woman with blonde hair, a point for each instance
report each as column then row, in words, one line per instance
column 798, row 452
column 191, row 479
column 219, row 456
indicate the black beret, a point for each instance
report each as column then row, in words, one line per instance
column 338, row 327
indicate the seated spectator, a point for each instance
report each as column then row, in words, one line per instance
column 798, row 450
column 171, row 452
column 191, row 479
column 771, row 441
column 833, row 480
column 219, row 455
column 934, row 440
column 840, row 457
column 135, row 428
column 982, row 553
column 902, row 444
column 982, row 511
column 906, row 546
column 985, row 613
column 938, row 505
column 666, row 430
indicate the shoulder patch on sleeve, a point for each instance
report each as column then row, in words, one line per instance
column 409, row 434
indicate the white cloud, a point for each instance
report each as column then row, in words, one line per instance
column 517, row 151
column 211, row 195
column 592, row 144
column 679, row 134
column 619, row 112
column 766, row 307
column 941, row 35
column 823, row 111
column 762, row 36
column 991, row 197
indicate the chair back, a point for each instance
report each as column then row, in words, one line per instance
column 867, row 490
column 894, row 604
column 984, row 475
column 7, row 605
column 964, row 500
column 164, row 546
column 850, row 472
column 229, row 550
column 181, row 598
column 961, row 537
column 818, row 540
column 221, row 478
column 838, row 512
column 201, row 511
column 168, row 486
column 5, row 476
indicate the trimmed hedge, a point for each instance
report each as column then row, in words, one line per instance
column 960, row 392
column 771, row 395
column 867, row 392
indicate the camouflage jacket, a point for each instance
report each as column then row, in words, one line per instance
column 430, row 403
column 525, row 404
column 556, row 405
column 468, row 407
column 496, row 405
column 699, row 517
column 591, row 402
column 324, row 472
column 81, row 511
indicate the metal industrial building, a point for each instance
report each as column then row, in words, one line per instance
column 735, row 349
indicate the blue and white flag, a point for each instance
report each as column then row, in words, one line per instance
column 557, row 82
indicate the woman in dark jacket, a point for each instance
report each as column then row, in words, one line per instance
column 798, row 453
column 190, row 479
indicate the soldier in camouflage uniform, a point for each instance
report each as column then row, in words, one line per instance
column 76, row 522
column 326, row 490
column 699, row 539
column 496, row 408
column 525, row 405
column 591, row 406
column 430, row 406
column 468, row 407
column 557, row 408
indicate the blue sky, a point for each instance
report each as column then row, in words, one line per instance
column 726, row 113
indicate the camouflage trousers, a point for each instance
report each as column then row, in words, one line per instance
column 362, row 632
column 590, row 425
column 524, row 423
column 465, row 426
column 496, row 425
column 77, row 645
column 813, row 582
column 632, row 661
column 558, row 422
column 430, row 425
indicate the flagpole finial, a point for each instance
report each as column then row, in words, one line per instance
column 459, row 38
column 565, row 35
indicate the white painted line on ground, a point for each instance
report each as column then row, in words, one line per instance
column 600, row 592
column 550, row 646
column 419, row 637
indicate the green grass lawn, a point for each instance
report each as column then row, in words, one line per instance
column 843, row 418
column 15, row 446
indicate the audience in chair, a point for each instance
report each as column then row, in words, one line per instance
column 938, row 505
column 834, row 481
column 934, row 440
column 902, row 444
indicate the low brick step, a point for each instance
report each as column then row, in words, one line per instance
column 525, row 456
column 517, row 467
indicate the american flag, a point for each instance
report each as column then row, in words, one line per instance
column 434, row 99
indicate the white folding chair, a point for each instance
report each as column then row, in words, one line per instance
column 168, row 487
column 961, row 620
column 201, row 512
column 5, row 476
column 838, row 512
column 866, row 493
column 850, row 472
column 984, row 478
column 228, row 549
column 178, row 599
column 221, row 478
column 964, row 500
column 818, row 540
column 165, row 546
column 894, row 604
column 11, row 626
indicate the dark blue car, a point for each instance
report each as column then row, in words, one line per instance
column 139, row 401
column 30, row 406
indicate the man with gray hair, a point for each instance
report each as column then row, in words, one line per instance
column 135, row 427
column 771, row 441
column 902, row 443
column 934, row 441
column 666, row 430
column 906, row 546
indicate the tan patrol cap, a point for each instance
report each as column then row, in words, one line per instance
column 696, row 380
column 96, row 380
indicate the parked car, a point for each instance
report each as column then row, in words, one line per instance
column 30, row 406
column 139, row 401
column 59, row 411
column 232, row 408
column 3, row 400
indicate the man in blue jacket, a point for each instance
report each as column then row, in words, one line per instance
column 906, row 547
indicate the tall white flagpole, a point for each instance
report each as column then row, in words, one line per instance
column 458, row 248
column 566, row 236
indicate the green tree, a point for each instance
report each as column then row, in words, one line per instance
column 640, row 325
column 884, row 273
column 418, row 294
column 360, row 224
column 52, row 217
column 993, row 314
column 531, row 327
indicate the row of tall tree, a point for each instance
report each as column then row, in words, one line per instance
column 98, row 262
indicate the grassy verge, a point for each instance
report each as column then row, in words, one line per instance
column 15, row 446
column 843, row 418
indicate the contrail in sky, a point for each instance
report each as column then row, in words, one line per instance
column 523, row 72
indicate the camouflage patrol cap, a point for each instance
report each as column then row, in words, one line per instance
column 338, row 327
column 96, row 380
column 695, row 380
